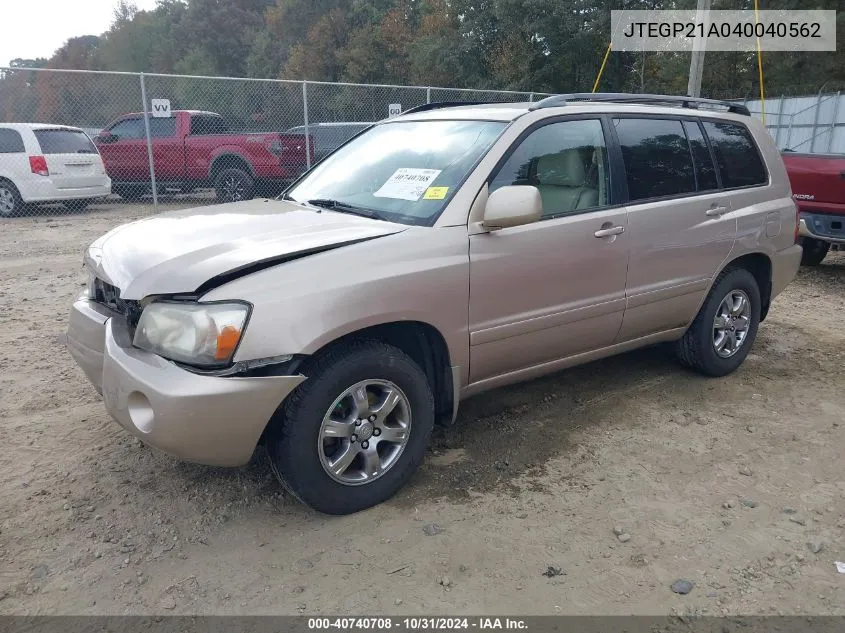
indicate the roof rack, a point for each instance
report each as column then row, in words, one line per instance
column 693, row 103
column 436, row 105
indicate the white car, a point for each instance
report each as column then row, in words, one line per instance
column 42, row 163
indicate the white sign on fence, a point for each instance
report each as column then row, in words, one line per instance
column 161, row 108
column 394, row 109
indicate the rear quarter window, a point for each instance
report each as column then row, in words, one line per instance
column 10, row 142
column 64, row 142
column 736, row 153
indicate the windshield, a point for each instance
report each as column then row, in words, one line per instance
column 402, row 172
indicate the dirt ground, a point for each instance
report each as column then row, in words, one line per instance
column 735, row 484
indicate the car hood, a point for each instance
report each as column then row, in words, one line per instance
column 178, row 252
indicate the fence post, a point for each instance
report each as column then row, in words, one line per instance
column 305, row 118
column 428, row 95
column 780, row 118
column 833, row 122
column 789, row 132
column 146, row 112
column 816, row 120
column 531, row 98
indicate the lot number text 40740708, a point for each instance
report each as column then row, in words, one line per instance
column 417, row 623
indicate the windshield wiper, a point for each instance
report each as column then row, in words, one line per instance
column 342, row 207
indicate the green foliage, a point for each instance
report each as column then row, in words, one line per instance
column 529, row 45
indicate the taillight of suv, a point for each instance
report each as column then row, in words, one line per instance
column 38, row 165
column 797, row 223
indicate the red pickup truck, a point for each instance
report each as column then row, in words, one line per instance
column 818, row 187
column 197, row 149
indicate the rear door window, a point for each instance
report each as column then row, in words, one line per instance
column 657, row 157
column 61, row 141
column 162, row 127
column 705, row 170
column 10, row 142
column 737, row 156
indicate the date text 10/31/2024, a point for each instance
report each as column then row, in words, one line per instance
column 418, row 623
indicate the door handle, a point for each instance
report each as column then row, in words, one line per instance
column 609, row 232
column 716, row 211
column 842, row 174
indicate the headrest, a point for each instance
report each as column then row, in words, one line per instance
column 565, row 169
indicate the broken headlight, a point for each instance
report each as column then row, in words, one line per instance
column 202, row 334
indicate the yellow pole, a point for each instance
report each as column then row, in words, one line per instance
column 603, row 64
column 760, row 66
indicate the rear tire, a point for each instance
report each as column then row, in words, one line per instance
column 11, row 203
column 699, row 348
column 814, row 251
column 233, row 184
column 322, row 422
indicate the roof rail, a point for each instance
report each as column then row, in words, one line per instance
column 436, row 105
column 693, row 103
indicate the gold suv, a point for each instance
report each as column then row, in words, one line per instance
column 433, row 256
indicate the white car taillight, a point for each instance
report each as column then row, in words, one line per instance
column 38, row 165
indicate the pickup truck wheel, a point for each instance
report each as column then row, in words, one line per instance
column 724, row 330
column 11, row 203
column 233, row 184
column 814, row 251
column 354, row 432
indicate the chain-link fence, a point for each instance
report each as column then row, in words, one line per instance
column 158, row 140
column 801, row 118
column 809, row 124
column 155, row 139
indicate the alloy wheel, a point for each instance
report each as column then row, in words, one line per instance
column 364, row 432
column 233, row 188
column 7, row 201
column 730, row 325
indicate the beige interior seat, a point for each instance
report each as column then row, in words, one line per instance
column 565, row 183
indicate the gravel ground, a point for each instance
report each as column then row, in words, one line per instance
column 592, row 491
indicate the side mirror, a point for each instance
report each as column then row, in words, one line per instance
column 106, row 137
column 512, row 206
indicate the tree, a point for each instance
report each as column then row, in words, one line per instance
column 526, row 45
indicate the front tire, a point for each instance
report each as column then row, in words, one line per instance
column 354, row 432
column 724, row 330
column 814, row 251
column 233, row 184
column 11, row 203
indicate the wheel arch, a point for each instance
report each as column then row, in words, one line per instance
column 226, row 160
column 760, row 266
column 425, row 345
column 8, row 179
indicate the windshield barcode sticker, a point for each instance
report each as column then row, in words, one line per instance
column 407, row 183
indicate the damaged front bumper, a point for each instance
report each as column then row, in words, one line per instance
column 205, row 419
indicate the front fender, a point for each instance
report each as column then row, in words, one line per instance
column 303, row 305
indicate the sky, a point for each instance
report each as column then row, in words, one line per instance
column 36, row 28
